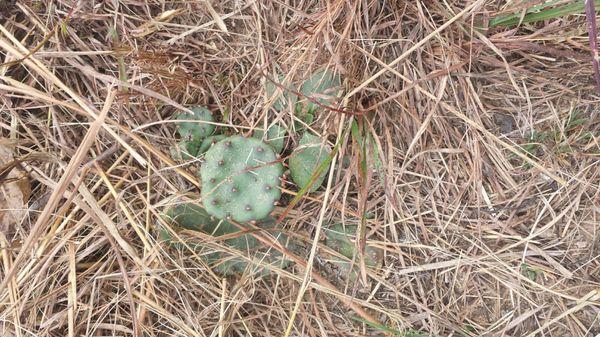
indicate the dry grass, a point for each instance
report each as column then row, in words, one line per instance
column 480, row 238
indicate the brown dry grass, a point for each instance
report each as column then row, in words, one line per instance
column 479, row 239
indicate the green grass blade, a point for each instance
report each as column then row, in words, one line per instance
column 541, row 12
column 504, row 20
column 381, row 327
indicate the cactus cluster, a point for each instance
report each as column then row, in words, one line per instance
column 240, row 179
column 240, row 176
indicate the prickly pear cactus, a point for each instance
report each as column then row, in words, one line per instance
column 322, row 86
column 340, row 239
column 275, row 136
column 194, row 131
column 184, row 216
column 284, row 98
column 240, row 179
column 227, row 264
column 188, row 216
column 193, row 217
column 210, row 141
column 306, row 159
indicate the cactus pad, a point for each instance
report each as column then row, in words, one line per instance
column 193, row 130
column 193, row 217
column 306, row 159
column 322, row 86
column 210, row 141
column 240, row 179
column 275, row 136
column 284, row 98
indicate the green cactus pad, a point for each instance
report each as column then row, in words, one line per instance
column 275, row 137
column 322, row 86
column 210, row 141
column 193, row 217
column 240, row 179
column 306, row 159
column 188, row 216
column 340, row 239
column 229, row 264
column 284, row 98
column 194, row 130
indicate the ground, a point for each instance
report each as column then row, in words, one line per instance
column 480, row 188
